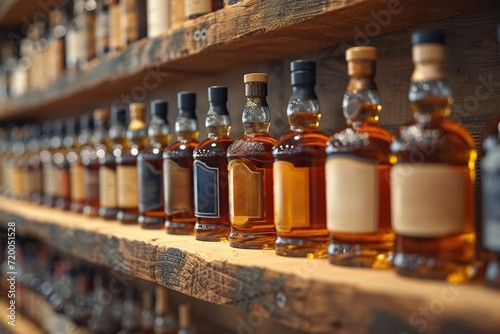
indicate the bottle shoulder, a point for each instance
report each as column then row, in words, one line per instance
column 252, row 144
column 300, row 142
column 213, row 146
column 180, row 149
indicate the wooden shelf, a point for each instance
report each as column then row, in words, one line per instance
column 248, row 32
column 23, row 324
column 15, row 13
column 310, row 295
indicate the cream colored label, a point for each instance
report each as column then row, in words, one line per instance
column 428, row 200
column 76, row 173
column 114, row 26
column 157, row 17
column 129, row 21
column 245, row 193
column 127, row 193
column 49, row 180
column 178, row 185
column 291, row 196
column 194, row 7
column 107, row 187
column 17, row 180
column 351, row 195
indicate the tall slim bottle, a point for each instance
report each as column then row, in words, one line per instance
column 165, row 320
column 299, row 172
column 72, row 148
column 150, row 169
column 126, row 166
column 186, row 323
column 432, row 184
column 34, row 164
column 115, row 142
column 63, row 199
column 357, row 173
column 211, row 196
column 49, row 172
column 178, row 170
column 250, row 170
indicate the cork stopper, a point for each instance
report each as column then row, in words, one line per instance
column 101, row 113
column 185, row 315
column 137, row 113
column 361, row 52
column 162, row 300
column 256, row 77
column 429, row 55
column 361, row 61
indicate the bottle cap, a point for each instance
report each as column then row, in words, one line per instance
column 100, row 113
column 256, row 77
column 72, row 125
column 119, row 115
column 159, row 109
column 185, row 315
column 361, row 52
column 217, row 93
column 87, row 122
column 303, row 65
column 186, row 103
column 137, row 111
column 428, row 37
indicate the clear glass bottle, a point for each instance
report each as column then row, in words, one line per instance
column 116, row 142
column 432, row 184
column 165, row 320
column 299, row 172
column 250, row 170
column 357, row 173
column 178, row 170
column 63, row 196
column 211, row 196
column 186, row 323
column 126, row 166
column 150, row 169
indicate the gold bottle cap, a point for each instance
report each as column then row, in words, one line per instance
column 137, row 113
column 361, row 52
column 101, row 113
column 361, row 61
column 256, row 77
column 185, row 315
column 429, row 59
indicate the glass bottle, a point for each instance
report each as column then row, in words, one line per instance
column 357, row 173
column 250, row 169
column 158, row 12
column 133, row 21
column 178, row 169
column 90, row 160
column 147, row 314
column 34, row 164
column 115, row 40
column 57, row 43
column 197, row 8
column 89, row 40
column 150, row 168
column 49, row 173
column 186, row 324
column 16, row 163
column 165, row 320
column 432, row 184
column 72, row 41
column 116, row 141
column 63, row 196
column 126, row 166
column 102, row 25
column 299, row 172
column 211, row 196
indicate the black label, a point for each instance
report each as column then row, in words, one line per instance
column 150, row 184
column 206, row 190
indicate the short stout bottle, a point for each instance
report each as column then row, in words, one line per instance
column 432, row 184
column 299, row 172
column 102, row 33
column 178, row 169
column 90, row 159
column 186, row 323
column 211, row 197
column 165, row 320
column 250, row 172
column 63, row 199
column 133, row 21
column 357, row 173
column 126, row 166
column 150, row 168
column 116, row 141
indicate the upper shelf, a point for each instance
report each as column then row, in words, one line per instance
column 15, row 13
column 248, row 32
column 311, row 295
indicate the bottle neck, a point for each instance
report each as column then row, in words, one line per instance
column 256, row 116
column 303, row 108
column 186, row 129
column 158, row 132
column 218, row 121
column 361, row 103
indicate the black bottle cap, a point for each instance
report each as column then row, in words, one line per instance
column 119, row 115
column 87, row 122
column 217, row 96
column 159, row 109
column 428, row 36
column 72, row 126
column 303, row 78
column 186, row 102
column 59, row 128
column 303, row 65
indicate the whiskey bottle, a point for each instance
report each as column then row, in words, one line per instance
column 133, row 21
column 165, row 320
column 63, row 199
column 357, row 173
column 299, row 172
column 178, row 169
column 90, row 159
column 49, row 172
column 57, row 42
column 211, row 197
column 16, row 163
column 126, row 166
column 432, row 184
column 102, row 25
column 89, row 38
column 34, row 165
column 186, row 324
column 250, row 170
column 147, row 314
column 115, row 143
column 115, row 40
column 150, row 169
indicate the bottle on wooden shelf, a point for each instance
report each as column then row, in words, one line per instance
column 89, row 30
column 63, row 199
column 177, row 12
column 197, row 8
column 432, row 184
column 165, row 319
column 150, row 169
column 250, row 169
column 126, row 166
column 49, row 172
column 299, row 171
column 178, row 169
column 58, row 20
column 115, row 39
column 211, row 197
column 102, row 28
column 34, row 165
column 186, row 323
column 22, row 165
column 158, row 17
column 147, row 314
column 72, row 38
column 133, row 21
column 357, row 173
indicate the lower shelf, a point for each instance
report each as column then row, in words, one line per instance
column 310, row 295
column 23, row 325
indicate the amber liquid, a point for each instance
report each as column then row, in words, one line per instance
column 451, row 257
column 212, row 152
column 35, row 170
column 75, row 205
column 374, row 250
column 304, row 147
column 104, row 212
column 127, row 215
column 255, row 151
column 91, row 202
column 181, row 153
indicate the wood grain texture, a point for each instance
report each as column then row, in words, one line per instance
column 237, row 36
column 309, row 295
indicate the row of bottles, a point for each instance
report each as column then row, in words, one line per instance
column 78, row 31
column 363, row 197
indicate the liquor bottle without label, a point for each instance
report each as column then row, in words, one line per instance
column 63, row 198
column 357, row 173
column 90, row 159
column 133, row 21
column 116, row 141
column 211, row 197
column 126, row 166
column 150, row 169
column 299, row 172
column 432, row 184
column 165, row 320
column 250, row 171
column 178, row 169
column 186, row 324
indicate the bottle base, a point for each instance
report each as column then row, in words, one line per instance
column 127, row 218
column 369, row 255
column 252, row 241
column 151, row 223
column 427, row 267
column 211, row 232
column 298, row 247
column 62, row 204
column 108, row 214
column 180, row 228
column 91, row 211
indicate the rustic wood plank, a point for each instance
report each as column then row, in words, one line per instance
column 23, row 324
column 309, row 295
